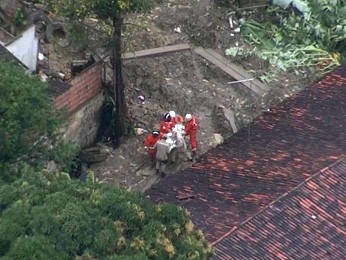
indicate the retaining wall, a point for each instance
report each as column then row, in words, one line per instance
column 83, row 101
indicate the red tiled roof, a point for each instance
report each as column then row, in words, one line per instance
column 279, row 150
column 307, row 223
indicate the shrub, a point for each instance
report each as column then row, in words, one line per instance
column 52, row 217
column 28, row 121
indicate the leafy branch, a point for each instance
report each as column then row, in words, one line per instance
column 310, row 37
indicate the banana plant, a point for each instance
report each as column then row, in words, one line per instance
column 311, row 35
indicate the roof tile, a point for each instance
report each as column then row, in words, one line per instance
column 270, row 157
column 307, row 223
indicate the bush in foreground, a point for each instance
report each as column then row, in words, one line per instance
column 47, row 217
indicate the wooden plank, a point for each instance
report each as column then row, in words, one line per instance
column 240, row 69
column 156, row 51
column 218, row 63
column 230, row 71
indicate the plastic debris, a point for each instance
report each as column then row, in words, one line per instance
column 140, row 131
column 61, row 75
column 41, row 56
column 43, row 77
column 230, row 22
column 177, row 29
column 141, row 98
column 237, row 30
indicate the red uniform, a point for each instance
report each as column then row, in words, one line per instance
column 191, row 130
column 165, row 127
column 176, row 120
column 150, row 143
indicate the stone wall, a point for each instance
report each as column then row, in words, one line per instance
column 84, row 123
column 83, row 100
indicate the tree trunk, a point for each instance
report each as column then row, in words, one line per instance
column 119, row 96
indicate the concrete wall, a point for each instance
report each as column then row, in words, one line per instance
column 83, row 100
column 25, row 48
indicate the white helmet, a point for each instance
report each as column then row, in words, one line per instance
column 188, row 117
column 172, row 113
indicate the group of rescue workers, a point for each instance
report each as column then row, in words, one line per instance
column 166, row 144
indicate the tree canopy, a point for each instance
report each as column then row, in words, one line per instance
column 48, row 217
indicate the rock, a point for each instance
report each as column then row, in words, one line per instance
column 94, row 154
column 218, row 139
column 229, row 115
column 145, row 173
column 52, row 167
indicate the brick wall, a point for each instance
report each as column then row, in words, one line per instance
column 84, row 87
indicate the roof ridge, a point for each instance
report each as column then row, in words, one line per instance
column 319, row 172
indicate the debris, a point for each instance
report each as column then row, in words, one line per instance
column 218, row 139
column 185, row 197
column 43, row 77
column 140, row 131
column 177, row 29
column 240, row 81
column 61, row 75
column 313, row 217
column 237, row 30
column 141, row 98
column 230, row 22
column 41, row 56
column 94, row 20
column 52, row 167
column 228, row 114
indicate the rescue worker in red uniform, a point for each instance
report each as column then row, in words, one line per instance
column 149, row 144
column 166, row 125
column 175, row 119
column 191, row 130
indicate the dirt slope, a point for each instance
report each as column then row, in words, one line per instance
column 186, row 83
